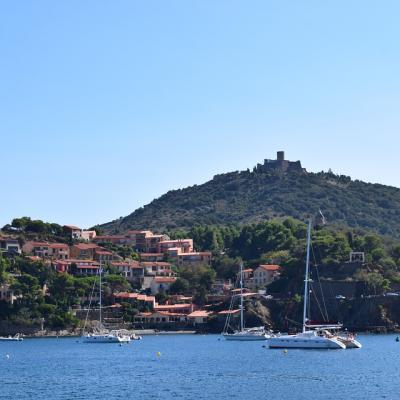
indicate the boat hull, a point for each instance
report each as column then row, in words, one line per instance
column 296, row 342
column 105, row 339
column 350, row 343
column 245, row 337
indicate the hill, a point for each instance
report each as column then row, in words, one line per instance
column 276, row 189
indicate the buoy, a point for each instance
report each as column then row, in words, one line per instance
column 285, row 351
column 7, row 356
column 158, row 354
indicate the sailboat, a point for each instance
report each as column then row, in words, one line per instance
column 309, row 338
column 243, row 334
column 102, row 335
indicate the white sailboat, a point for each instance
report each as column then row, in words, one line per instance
column 308, row 338
column 102, row 335
column 244, row 334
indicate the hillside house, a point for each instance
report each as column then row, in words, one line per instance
column 114, row 239
column 9, row 245
column 132, row 271
column 84, row 251
column 104, row 257
column 161, row 284
column 151, row 257
column 184, row 245
column 263, row 276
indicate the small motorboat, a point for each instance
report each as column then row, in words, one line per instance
column 17, row 338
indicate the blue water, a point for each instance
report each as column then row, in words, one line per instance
column 196, row 367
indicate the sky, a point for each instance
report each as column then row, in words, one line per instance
column 106, row 105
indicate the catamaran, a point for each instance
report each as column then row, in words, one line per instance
column 243, row 334
column 308, row 338
column 102, row 335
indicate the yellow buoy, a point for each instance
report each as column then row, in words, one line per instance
column 158, row 354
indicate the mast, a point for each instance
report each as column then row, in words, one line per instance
column 100, row 294
column 306, row 278
column 241, row 297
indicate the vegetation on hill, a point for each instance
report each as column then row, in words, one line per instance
column 247, row 197
column 284, row 243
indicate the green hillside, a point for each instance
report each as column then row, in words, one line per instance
column 253, row 196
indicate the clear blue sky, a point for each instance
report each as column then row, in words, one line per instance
column 107, row 104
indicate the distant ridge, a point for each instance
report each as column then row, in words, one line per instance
column 277, row 188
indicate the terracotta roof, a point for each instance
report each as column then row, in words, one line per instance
column 151, row 254
column 226, row 312
column 105, row 237
column 104, row 252
column 170, row 314
column 270, row 267
column 137, row 296
column 155, row 263
column 88, row 266
column 41, row 244
column 176, row 240
column 199, row 313
column 86, row 246
column 76, row 261
column 172, row 306
column 131, row 264
column 72, row 227
column 58, row 246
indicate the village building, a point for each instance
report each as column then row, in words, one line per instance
column 159, row 317
column 76, row 233
column 199, row 317
column 263, row 276
column 114, row 239
column 84, row 251
column 147, row 301
column 7, row 294
column 184, row 245
column 10, row 245
column 161, row 284
column 45, row 250
column 153, row 242
column 131, row 270
column 104, row 257
column 151, row 257
column 77, row 267
column 192, row 259
column 157, row 268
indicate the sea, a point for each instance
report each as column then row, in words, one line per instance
column 196, row 367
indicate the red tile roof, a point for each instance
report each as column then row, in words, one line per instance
column 172, row 306
column 199, row 313
column 86, row 246
column 72, row 227
column 155, row 263
column 270, row 267
column 58, row 246
column 226, row 312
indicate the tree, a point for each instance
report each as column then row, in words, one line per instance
column 180, row 286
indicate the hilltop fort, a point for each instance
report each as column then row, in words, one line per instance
column 280, row 164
